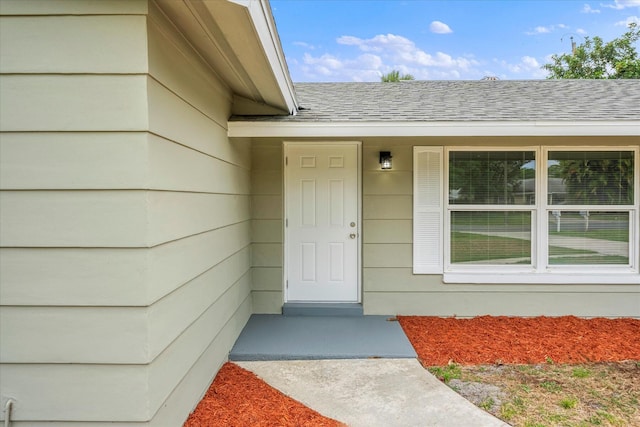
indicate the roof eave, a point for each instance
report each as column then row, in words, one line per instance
column 257, row 129
column 239, row 41
column 265, row 27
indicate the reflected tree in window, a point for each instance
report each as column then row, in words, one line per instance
column 596, row 178
column 489, row 177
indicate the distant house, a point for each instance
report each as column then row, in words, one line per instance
column 162, row 179
column 556, row 191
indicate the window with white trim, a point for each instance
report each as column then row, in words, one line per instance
column 528, row 214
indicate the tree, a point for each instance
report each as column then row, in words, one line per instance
column 493, row 179
column 395, row 76
column 598, row 181
column 595, row 59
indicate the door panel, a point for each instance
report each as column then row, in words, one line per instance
column 322, row 232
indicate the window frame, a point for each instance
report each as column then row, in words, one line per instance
column 541, row 271
column 449, row 208
column 631, row 209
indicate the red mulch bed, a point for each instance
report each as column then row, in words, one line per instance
column 238, row 398
column 489, row 339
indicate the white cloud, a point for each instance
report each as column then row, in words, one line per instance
column 383, row 53
column 581, row 31
column 305, row 45
column 629, row 20
column 440, row 28
column 366, row 59
column 540, row 30
column 622, row 4
column 587, row 9
column 325, row 65
column 530, row 62
column 402, row 50
column 364, row 67
column 349, row 40
column 527, row 66
column 378, row 43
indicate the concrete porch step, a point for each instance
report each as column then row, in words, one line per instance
column 322, row 309
column 276, row 337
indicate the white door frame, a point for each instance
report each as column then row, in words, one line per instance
column 285, row 267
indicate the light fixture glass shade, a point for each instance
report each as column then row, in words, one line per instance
column 385, row 160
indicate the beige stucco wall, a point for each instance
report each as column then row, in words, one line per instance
column 389, row 285
column 124, row 215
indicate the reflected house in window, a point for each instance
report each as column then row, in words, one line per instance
column 556, row 191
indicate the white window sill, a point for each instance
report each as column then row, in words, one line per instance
column 617, row 278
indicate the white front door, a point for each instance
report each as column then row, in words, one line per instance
column 322, row 223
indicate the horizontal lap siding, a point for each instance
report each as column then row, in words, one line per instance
column 74, row 7
column 113, row 276
column 199, row 218
column 122, row 47
column 387, row 213
column 74, row 219
column 65, row 392
column 267, row 227
column 390, row 287
column 526, row 303
column 61, row 218
column 73, row 161
column 73, row 102
column 125, row 223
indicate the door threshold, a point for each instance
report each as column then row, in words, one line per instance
column 334, row 309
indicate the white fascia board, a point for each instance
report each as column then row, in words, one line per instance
column 412, row 129
column 260, row 13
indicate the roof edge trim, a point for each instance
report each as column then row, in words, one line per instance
column 257, row 129
column 265, row 26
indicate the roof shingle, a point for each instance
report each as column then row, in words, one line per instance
column 447, row 101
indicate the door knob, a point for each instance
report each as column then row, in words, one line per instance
column 352, row 235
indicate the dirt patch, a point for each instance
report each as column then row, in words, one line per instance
column 568, row 395
column 486, row 396
column 238, row 398
column 501, row 340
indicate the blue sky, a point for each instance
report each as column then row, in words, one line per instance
column 347, row 40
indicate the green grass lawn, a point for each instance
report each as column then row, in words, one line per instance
column 467, row 247
column 478, row 247
column 601, row 259
column 491, row 218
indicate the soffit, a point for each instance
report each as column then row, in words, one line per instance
column 239, row 42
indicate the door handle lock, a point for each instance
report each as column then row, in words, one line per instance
column 352, row 235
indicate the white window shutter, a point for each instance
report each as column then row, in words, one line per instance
column 428, row 210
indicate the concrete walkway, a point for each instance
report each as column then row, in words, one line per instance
column 361, row 370
column 373, row 392
column 600, row 246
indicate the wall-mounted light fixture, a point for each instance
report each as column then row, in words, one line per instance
column 385, row 159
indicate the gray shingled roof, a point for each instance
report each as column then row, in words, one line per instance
column 482, row 100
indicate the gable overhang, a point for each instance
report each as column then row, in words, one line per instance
column 258, row 129
column 239, row 41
